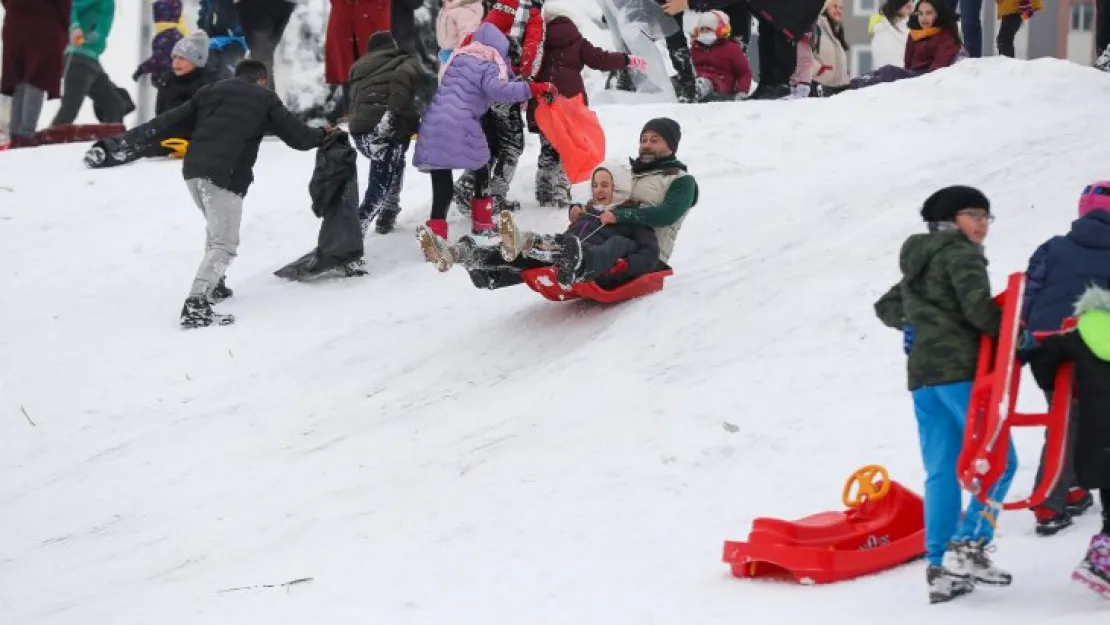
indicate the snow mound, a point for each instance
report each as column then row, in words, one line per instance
column 429, row 453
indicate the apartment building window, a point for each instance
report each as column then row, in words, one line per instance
column 862, row 61
column 1082, row 17
column 865, row 7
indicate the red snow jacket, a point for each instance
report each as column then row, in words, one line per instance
column 724, row 64
column 930, row 49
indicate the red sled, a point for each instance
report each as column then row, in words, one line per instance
column 992, row 411
column 74, row 133
column 542, row 280
column 882, row 529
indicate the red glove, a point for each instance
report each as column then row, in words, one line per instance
column 543, row 90
column 1025, row 8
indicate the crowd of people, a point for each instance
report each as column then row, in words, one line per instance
column 499, row 61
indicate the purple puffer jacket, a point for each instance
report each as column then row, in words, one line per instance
column 450, row 135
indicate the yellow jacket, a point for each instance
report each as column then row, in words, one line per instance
column 1010, row 7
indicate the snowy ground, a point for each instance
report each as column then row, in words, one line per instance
column 433, row 454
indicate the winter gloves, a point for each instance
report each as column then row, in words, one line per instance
column 637, row 63
column 543, row 90
column 907, row 339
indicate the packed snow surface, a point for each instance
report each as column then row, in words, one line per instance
column 428, row 453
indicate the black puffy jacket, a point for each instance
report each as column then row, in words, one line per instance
column 389, row 79
column 228, row 120
column 177, row 90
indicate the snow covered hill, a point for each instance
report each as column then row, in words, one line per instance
column 433, row 454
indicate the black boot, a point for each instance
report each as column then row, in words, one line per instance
column 386, row 220
column 197, row 313
column 684, row 80
column 220, row 292
column 570, row 261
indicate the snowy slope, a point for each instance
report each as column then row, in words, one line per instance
column 433, row 454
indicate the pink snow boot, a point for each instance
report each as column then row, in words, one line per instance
column 1094, row 571
column 481, row 216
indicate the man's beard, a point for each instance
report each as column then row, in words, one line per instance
column 647, row 157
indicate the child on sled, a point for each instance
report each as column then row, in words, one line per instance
column 1088, row 346
column 943, row 305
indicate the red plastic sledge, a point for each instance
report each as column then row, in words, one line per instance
column 575, row 133
column 883, row 527
column 992, row 411
column 542, row 280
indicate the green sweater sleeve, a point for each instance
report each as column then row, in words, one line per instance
column 679, row 199
column 889, row 308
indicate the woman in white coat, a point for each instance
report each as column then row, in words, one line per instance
column 889, row 29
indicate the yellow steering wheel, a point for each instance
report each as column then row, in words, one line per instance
column 178, row 146
column 866, row 487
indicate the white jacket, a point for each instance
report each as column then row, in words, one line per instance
column 888, row 42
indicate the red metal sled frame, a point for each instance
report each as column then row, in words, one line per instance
column 542, row 280
column 992, row 411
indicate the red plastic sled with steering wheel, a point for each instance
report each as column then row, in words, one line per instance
column 542, row 280
column 992, row 411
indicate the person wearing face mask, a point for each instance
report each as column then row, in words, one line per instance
column 723, row 72
column 641, row 229
column 943, row 306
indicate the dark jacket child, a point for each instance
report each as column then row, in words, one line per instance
column 169, row 29
column 390, row 89
column 565, row 54
column 178, row 86
column 1088, row 346
column 228, row 120
column 943, row 304
column 1059, row 272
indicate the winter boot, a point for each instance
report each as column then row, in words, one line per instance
column 220, row 292
column 441, row 253
column 944, row 586
column 773, row 92
column 620, row 80
column 95, row 157
column 684, row 80
column 570, row 261
column 1094, row 570
column 1050, row 522
column 973, row 563
column 387, row 219
column 197, row 313
column 481, row 216
column 501, row 203
column 513, row 241
column 1079, row 501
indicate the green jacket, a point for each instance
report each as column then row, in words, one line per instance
column 682, row 195
column 389, row 80
column 945, row 296
column 94, row 18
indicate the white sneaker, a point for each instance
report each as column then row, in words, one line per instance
column 970, row 561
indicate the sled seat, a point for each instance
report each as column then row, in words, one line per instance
column 542, row 280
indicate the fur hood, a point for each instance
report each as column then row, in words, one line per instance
column 1094, row 298
column 558, row 8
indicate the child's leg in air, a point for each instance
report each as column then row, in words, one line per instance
column 582, row 262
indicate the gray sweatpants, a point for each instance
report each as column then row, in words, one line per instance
column 26, row 108
column 223, row 210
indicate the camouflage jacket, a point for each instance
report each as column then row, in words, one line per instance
column 945, row 296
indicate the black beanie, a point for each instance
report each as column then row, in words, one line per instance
column 667, row 128
column 944, row 204
column 383, row 39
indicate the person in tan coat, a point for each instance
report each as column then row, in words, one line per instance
column 830, row 48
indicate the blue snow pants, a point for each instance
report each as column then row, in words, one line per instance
column 941, row 414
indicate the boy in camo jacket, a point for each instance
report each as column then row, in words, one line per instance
column 943, row 304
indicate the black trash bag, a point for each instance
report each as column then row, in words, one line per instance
column 334, row 192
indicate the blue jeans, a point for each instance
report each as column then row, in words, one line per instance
column 941, row 414
column 971, row 25
column 387, row 173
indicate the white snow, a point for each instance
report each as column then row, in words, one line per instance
column 430, row 453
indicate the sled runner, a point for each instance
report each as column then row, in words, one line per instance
column 542, row 280
column 883, row 527
column 992, row 411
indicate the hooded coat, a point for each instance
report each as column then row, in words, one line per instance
column 1062, row 268
column 170, row 30
column 1088, row 346
column 350, row 24
column 450, row 135
column 388, row 79
column 945, row 296
column 35, row 33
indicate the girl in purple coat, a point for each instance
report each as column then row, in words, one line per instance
column 450, row 135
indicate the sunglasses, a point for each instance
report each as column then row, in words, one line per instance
column 1092, row 189
column 978, row 215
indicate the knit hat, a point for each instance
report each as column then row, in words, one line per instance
column 1095, row 197
column 381, row 40
column 193, row 48
column 712, row 20
column 944, row 204
column 667, row 128
column 502, row 14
